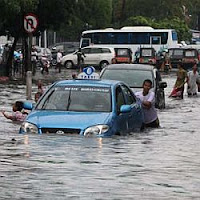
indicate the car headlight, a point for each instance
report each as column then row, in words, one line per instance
column 27, row 127
column 96, row 130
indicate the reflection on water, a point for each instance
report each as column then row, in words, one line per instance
column 157, row 164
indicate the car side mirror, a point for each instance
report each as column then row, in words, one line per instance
column 162, row 84
column 125, row 109
column 28, row 105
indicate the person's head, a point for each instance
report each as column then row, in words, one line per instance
column 40, row 84
column 18, row 106
column 147, row 85
column 179, row 66
column 37, row 96
column 74, row 76
column 33, row 48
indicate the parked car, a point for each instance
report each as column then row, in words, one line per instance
column 64, row 47
column 94, row 55
column 175, row 56
column 86, row 107
column 122, row 55
column 134, row 75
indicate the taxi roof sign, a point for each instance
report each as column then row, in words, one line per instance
column 88, row 73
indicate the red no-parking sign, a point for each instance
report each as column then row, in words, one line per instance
column 30, row 23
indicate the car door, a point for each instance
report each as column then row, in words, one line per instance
column 87, row 55
column 95, row 55
column 121, row 123
column 135, row 117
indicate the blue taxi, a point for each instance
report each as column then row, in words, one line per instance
column 85, row 107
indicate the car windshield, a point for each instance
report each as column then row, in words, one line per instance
column 190, row 53
column 175, row 52
column 134, row 78
column 122, row 52
column 146, row 52
column 72, row 98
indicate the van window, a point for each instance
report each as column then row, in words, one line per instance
column 105, row 50
column 95, row 50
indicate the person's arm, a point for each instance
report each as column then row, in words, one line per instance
column 148, row 103
column 7, row 116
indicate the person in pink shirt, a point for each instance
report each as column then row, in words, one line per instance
column 18, row 114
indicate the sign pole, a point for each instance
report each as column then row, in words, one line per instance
column 29, row 71
column 30, row 26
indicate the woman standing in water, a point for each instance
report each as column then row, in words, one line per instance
column 178, row 89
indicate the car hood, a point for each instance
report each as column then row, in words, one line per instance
column 64, row 119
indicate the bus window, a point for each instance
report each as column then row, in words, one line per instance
column 174, row 36
column 155, row 40
column 140, row 38
column 122, row 38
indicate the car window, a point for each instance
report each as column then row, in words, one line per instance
column 59, row 47
column 95, row 50
column 72, row 98
column 119, row 98
column 130, row 98
column 133, row 78
column 178, row 52
column 122, row 52
column 146, row 52
column 105, row 50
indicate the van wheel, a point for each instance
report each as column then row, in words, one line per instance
column 68, row 64
column 103, row 64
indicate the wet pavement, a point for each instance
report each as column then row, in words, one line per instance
column 156, row 164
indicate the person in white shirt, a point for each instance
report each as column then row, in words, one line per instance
column 58, row 59
column 192, row 81
column 147, row 98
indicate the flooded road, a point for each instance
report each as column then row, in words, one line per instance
column 156, row 164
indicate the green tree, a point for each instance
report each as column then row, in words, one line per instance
column 50, row 14
column 87, row 14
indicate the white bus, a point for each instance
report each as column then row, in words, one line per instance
column 131, row 37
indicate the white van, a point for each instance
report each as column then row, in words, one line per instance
column 94, row 56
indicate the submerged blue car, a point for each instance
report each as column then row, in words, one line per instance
column 85, row 107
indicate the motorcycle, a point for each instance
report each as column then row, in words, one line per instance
column 45, row 64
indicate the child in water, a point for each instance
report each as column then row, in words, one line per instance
column 18, row 114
